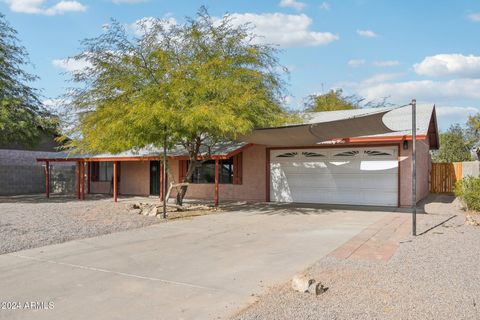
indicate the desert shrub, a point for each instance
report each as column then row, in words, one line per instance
column 468, row 190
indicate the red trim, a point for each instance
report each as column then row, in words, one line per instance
column 89, row 168
column 115, row 164
column 216, row 182
column 47, row 179
column 78, row 179
column 237, row 168
column 267, row 175
column 382, row 139
column 183, row 169
column 82, row 180
column 362, row 145
column 399, row 185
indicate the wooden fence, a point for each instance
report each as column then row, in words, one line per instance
column 444, row 175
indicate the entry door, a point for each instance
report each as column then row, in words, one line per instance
column 357, row 176
column 154, row 177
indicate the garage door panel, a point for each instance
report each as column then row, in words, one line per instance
column 368, row 177
column 300, row 167
column 344, row 197
column 342, row 181
column 333, row 169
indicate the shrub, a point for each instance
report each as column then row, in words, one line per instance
column 468, row 190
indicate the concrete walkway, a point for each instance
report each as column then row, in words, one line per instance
column 205, row 268
column 378, row 242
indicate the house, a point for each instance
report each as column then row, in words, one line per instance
column 358, row 170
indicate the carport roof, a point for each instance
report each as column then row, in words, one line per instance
column 398, row 123
column 399, row 120
column 220, row 151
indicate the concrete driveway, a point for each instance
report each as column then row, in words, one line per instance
column 208, row 267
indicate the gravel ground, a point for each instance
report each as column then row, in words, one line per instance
column 33, row 221
column 433, row 276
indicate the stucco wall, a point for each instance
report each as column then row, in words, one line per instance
column 424, row 165
column 134, row 180
column 253, row 186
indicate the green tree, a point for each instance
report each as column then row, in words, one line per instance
column 331, row 101
column 473, row 131
column 205, row 81
column 22, row 117
column 454, row 146
column 337, row 100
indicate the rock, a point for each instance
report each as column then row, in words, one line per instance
column 153, row 211
column 301, row 283
column 317, row 288
column 471, row 220
column 136, row 211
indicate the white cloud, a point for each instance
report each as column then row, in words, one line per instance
column 356, row 62
column 475, row 17
column 449, row 65
column 71, row 65
column 297, row 5
column 367, row 33
column 449, row 111
column 37, row 7
column 386, row 63
column 284, row 29
column 448, row 115
column 423, row 90
column 325, row 6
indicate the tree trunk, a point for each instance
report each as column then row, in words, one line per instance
column 188, row 178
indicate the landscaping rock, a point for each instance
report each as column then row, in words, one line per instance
column 301, row 283
column 317, row 288
column 472, row 220
column 153, row 211
column 136, row 211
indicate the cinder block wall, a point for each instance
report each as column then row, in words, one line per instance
column 20, row 173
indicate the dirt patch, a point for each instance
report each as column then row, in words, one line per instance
column 33, row 221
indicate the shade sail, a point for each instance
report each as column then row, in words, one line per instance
column 314, row 133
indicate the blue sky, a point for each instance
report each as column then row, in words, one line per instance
column 427, row 50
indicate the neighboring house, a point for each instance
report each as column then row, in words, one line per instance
column 20, row 173
column 365, row 170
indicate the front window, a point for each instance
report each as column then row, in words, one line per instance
column 102, row 171
column 205, row 172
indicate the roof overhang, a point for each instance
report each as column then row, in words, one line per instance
column 111, row 158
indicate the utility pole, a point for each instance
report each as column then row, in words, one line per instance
column 164, row 173
column 414, row 167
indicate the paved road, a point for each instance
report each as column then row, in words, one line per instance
column 205, row 268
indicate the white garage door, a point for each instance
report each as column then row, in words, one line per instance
column 364, row 176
